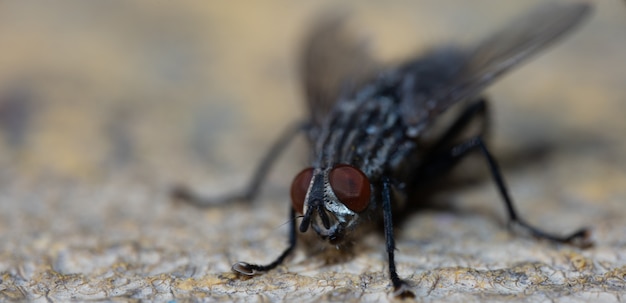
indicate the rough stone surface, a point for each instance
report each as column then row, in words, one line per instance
column 105, row 104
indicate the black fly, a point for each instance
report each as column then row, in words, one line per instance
column 367, row 142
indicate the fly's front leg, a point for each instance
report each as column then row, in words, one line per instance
column 401, row 288
column 253, row 269
column 252, row 189
column 578, row 238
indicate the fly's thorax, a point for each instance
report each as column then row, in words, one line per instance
column 366, row 131
column 331, row 200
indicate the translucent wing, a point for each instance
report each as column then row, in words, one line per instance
column 334, row 62
column 482, row 65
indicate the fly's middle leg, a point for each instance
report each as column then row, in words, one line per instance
column 446, row 155
column 260, row 175
column 578, row 238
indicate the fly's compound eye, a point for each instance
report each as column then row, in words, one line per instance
column 299, row 188
column 351, row 186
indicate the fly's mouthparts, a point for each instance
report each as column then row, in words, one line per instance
column 306, row 221
column 315, row 206
column 323, row 216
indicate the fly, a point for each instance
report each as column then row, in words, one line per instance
column 368, row 146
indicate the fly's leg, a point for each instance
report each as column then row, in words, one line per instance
column 400, row 286
column 253, row 269
column 450, row 158
column 252, row 189
column 437, row 162
column 444, row 158
column 476, row 110
column 248, row 194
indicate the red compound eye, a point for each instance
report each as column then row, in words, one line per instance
column 351, row 186
column 299, row 187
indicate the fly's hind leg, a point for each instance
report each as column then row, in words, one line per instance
column 435, row 164
column 252, row 189
column 446, row 155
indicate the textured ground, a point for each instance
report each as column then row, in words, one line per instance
column 105, row 104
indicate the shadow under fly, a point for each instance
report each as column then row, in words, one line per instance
column 367, row 129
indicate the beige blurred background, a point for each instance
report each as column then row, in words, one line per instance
column 105, row 104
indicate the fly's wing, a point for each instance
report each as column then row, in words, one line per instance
column 334, row 62
column 489, row 60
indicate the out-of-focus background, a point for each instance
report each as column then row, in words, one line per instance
column 105, row 104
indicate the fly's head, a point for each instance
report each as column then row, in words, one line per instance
column 330, row 200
